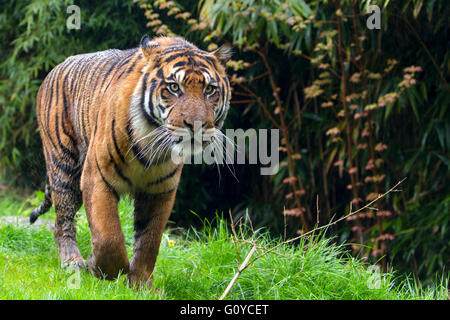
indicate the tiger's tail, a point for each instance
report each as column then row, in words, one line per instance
column 44, row 207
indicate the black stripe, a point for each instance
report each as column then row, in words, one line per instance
column 76, row 96
column 95, row 123
column 144, row 88
column 116, row 146
column 51, row 82
column 131, row 68
column 119, row 67
column 150, row 117
column 163, row 193
column 170, row 111
column 160, row 73
column 209, row 60
column 84, row 73
column 201, row 81
column 72, row 66
column 201, row 65
column 102, row 63
column 118, row 170
column 217, row 77
column 56, row 181
column 64, row 115
column 192, row 61
column 67, row 169
column 75, row 74
column 93, row 67
column 180, row 64
column 135, row 147
column 140, row 225
column 182, row 48
column 65, row 104
column 83, row 126
column 150, row 95
column 63, row 186
column 162, row 179
column 73, row 80
column 109, row 71
column 161, row 107
column 81, row 78
column 188, row 72
column 171, row 78
column 106, row 181
column 63, row 148
column 87, row 96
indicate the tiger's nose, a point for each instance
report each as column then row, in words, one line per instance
column 194, row 125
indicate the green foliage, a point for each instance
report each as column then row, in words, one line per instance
column 257, row 21
column 422, row 239
column 197, row 264
column 34, row 38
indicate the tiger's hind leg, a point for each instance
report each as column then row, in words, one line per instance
column 67, row 200
column 66, row 207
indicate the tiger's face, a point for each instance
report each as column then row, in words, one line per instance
column 186, row 94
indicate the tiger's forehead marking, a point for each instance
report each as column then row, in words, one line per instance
column 187, row 64
column 189, row 74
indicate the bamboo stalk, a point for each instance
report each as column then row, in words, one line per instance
column 348, row 128
column 285, row 133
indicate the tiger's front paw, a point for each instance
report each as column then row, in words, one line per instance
column 75, row 265
column 108, row 269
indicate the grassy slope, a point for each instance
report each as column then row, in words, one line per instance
column 198, row 266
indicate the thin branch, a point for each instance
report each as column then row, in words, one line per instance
column 258, row 76
column 241, row 268
column 240, row 93
column 243, row 101
column 262, row 104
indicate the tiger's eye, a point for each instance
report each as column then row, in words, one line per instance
column 174, row 87
column 209, row 89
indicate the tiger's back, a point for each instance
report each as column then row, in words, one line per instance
column 72, row 92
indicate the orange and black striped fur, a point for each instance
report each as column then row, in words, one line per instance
column 107, row 120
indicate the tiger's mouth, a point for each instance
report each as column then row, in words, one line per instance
column 187, row 143
column 178, row 144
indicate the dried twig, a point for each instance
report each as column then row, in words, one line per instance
column 241, row 268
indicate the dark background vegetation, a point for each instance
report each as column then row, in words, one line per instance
column 358, row 111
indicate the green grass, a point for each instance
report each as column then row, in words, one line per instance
column 199, row 265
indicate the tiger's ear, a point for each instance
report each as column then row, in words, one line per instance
column 148, row 46
column 223, row 53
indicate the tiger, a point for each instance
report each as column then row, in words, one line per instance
column 104, row 119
